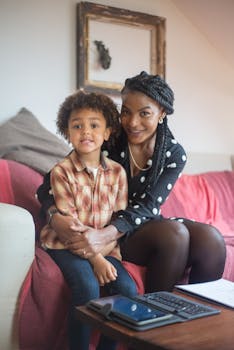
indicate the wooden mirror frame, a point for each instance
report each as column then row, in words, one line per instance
column 87, row 12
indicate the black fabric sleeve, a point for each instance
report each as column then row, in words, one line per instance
column 43, row 194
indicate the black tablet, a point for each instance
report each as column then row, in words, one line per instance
column 129, row 312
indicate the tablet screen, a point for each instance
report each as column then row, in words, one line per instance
column 132, row 310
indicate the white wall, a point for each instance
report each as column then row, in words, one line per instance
column 37, row 68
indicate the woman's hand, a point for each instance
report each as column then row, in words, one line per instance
column 87, row 243
column 104, row 271
column 80, row 239
column 66, row 227
column 92, row 241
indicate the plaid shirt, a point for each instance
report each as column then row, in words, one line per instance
column 92, row 200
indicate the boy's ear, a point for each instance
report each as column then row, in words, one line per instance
column 107, row 133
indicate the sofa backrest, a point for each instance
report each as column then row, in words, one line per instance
column 222, row 183
column 206, row 197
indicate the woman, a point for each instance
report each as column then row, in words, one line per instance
column 153, row 161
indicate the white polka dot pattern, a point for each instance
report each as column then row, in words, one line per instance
column 169, row 186
column 149, row 162
column 168, row 154
column 155, row 211
column 154, row 191
column 172, row 165
column 138, row 221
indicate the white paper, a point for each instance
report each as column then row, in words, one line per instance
column 220, row 291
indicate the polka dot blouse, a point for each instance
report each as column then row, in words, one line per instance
column 145, row 201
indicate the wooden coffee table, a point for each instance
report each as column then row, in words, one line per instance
column 214, row 332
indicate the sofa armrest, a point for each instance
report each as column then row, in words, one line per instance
column 17, row 249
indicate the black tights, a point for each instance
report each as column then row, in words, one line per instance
column 167, row 247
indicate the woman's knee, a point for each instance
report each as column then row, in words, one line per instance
column 157, row 238
column 207, row 253
column 214, row 236
column 174, row 235
column 207, row 238
column 207, row 245
column 216, row 243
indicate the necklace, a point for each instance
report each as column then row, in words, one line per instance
column 135, row 163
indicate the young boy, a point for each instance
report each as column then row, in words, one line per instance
column 89, row 187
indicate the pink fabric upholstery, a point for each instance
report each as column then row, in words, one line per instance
column 24, row 182
column 196, row 200
column 6, row 191
column 43, row 306
column 43, row 302
column 18, row 185
column 223, row 184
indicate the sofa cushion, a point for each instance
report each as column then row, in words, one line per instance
column 18, row 185
column 45, row 312
column 222, row 183
column 193, row 199
column 6, row 191
column 24, row 139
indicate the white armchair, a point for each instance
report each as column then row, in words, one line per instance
column 17, row 233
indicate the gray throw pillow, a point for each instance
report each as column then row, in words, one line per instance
column 25, row 140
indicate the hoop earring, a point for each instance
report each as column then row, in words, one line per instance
column 160, row 121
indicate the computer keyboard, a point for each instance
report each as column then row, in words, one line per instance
column 176, row 304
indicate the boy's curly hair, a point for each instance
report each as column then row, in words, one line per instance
column 94, row 101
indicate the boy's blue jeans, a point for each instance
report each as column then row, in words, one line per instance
column 84, row 286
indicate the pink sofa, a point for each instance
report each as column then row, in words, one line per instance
column 207, row 197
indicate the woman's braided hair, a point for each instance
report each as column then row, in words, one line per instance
column 158, row 90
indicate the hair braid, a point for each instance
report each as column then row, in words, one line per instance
column 159, row 154
column 153, row 86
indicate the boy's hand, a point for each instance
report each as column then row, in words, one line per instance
column 103, row 270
